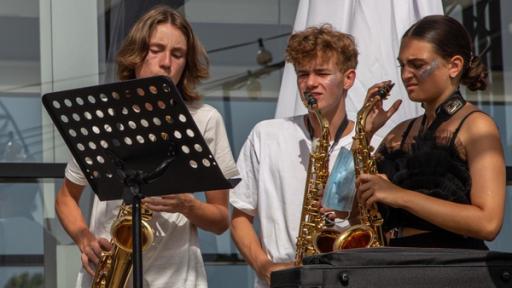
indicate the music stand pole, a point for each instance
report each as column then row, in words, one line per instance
column 132, row 195
column 136, row 235
column 133, row 181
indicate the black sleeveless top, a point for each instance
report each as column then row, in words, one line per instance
column 432, row 168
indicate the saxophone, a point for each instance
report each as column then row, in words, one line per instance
column 115, row 266
column 367, row 234
column 312, row 229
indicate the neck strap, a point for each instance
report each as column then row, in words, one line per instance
column 339, row 132
column 444, row 112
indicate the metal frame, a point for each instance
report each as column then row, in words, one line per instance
column 30, row 172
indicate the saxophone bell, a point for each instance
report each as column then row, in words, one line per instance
column 326, row 240
column 121, row 229
column 358, row 236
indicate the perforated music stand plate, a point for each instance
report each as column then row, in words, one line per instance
column 139, row 121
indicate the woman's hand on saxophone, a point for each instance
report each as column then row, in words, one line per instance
column 91, row 249
column 378, row 116
column 376, row 188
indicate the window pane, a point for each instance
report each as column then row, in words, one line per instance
column 20, row 106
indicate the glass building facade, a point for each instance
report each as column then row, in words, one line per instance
column 53, row 45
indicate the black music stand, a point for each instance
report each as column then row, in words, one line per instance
column 131, row 134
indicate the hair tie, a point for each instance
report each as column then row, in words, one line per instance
column 471, row 59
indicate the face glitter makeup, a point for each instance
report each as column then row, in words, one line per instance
column 424, row 72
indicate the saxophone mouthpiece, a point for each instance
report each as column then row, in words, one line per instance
column 384, row 91
column 310, row 99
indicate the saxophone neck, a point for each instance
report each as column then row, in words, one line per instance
column 323, row 123
column 324, row 126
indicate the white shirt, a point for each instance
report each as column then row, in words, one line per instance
column 273, row 166
column 174, row 259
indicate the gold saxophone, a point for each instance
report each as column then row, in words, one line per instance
column 115, row 266
column 314, row 235
column 368, row 233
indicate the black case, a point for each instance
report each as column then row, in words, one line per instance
column 400, row 267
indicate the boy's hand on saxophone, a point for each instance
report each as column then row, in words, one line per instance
column 268, row 267
column 210, row 215
column 172, row 203
column 91, row 249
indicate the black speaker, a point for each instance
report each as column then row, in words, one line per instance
column 400, row 267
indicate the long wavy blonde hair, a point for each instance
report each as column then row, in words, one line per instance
column 135, row 47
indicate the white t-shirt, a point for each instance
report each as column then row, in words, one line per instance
column 174, row 259
column 273, row 166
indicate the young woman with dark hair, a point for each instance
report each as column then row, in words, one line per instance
column 443, row 173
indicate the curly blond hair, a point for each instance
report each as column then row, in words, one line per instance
column 323, row 41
